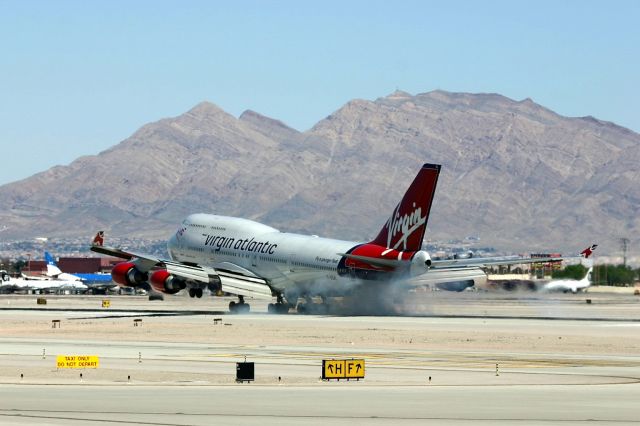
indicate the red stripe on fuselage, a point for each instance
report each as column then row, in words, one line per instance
column 377, row 252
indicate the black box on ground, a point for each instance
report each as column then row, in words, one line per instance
column 245, row 372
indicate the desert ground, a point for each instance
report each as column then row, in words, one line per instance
column 432, row 360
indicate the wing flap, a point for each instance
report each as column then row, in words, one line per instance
column 244, row 286
column 195, row 273
column 234, row 269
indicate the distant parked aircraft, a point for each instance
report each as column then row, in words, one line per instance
column 568, row 285
column 95, row 283
column 9, row 284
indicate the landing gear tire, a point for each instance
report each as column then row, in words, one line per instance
column 278, row 308
column 198, row 293
column 282, row 308
column 311, row 308
column 239, row 308
column 192, row 292
column 321, row 309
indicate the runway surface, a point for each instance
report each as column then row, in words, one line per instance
column 178, row 366
column 331, row 404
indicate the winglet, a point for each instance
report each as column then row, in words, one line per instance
column 98, row 240
column 588, row 251
column 97, row 245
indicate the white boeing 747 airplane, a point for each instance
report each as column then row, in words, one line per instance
column 37, row 284
column 249, row 259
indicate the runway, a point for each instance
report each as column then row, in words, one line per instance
column 331, row 404
column 178, row 368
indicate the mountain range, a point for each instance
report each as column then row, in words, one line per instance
column 515, row 174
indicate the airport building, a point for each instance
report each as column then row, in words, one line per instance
column 544, row 269
column 74, row 265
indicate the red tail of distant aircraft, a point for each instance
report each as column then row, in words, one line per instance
column 588, row 251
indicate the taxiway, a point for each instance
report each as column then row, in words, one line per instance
column 559, row 360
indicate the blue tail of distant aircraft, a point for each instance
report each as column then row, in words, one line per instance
column 98, row 282
column 49, row 259
column 52, row 266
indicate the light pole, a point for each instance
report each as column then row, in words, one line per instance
column 624, row 242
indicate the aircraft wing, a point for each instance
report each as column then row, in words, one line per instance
column 232, row 278
column 482, row 262
column 115, row 252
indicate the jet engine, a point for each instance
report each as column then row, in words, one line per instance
column 126, row 274
column 164, row 282
column 420, row 263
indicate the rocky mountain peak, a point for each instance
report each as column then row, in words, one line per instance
column 273, row 129
column 205, row 108
column 516, row 174
column 258, row 120
column 399, row 94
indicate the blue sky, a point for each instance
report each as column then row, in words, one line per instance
column 77, row 77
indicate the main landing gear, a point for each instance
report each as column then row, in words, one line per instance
column 280, row 307
column 312, row 308
column 195, row 292
column 239, row 307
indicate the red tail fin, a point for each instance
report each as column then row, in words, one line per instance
column 588, row 251
column 405, row 228
column 98, row 240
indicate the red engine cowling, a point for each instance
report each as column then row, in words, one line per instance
column 164, row 282
column 126, row 274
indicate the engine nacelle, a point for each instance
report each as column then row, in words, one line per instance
column 164, row 282
column 420, row 263
column 126, row 274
